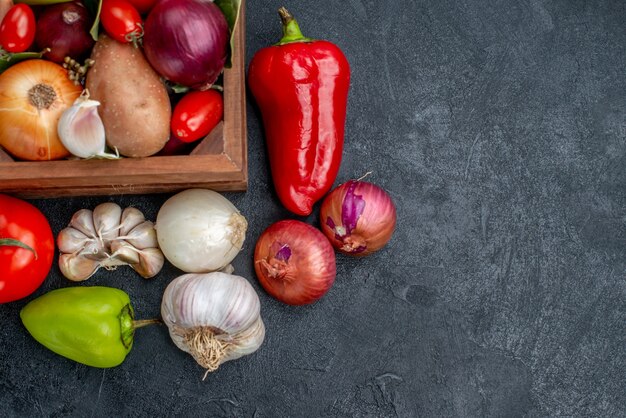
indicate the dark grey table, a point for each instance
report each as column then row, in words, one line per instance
column 499, row 129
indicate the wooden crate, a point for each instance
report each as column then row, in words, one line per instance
column 219, row 162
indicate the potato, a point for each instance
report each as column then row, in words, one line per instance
column 134, row 105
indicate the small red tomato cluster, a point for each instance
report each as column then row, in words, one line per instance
column 301, row 86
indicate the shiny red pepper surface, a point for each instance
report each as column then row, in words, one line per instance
column 301, row 86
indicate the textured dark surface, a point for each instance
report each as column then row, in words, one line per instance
column 499, row 129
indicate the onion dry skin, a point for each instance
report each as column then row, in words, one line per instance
column 64, row 28
column 358, row 218
column 33, row 95
column 186, row 41
column 294, row 262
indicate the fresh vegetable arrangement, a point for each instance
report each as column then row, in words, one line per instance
column 210, row 313
column 100, row 78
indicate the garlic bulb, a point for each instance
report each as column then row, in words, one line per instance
column 81, row 130
column 215, row 317
column 108, row 237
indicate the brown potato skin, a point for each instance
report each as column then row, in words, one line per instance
column 134, row 105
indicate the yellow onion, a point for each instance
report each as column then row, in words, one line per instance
column 33, row 95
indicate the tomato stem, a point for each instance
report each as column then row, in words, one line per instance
column 10, row 242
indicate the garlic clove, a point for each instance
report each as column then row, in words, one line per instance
column 112, row 262
column 143, row 236
column 71, row 240
column 106, row 219
column 83, row 221
column 151, row 262
column 125, row 252
column 80, row 128
column 131, row 217
column 95, row 250
column 76, row 267
column 246, row 342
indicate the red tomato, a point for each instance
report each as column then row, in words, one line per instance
column 17, row 30
column 121, row 20
column 23, row 270
column 143, row 6
column 196, row 114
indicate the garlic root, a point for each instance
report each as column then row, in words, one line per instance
column 206, row 348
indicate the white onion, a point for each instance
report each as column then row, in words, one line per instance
column 200, row 231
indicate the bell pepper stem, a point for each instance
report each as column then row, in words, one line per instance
column 144, row 322
column 291, row 29
column 128, row 325
column 10, row 242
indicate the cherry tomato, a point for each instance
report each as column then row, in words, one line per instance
column 26, row 248
column 121, row 21
column 143, row 6
column 17, row 30
column 196, row 114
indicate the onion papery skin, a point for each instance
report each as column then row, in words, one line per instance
column 358, row 218
column 200, row 231
column 186, row 41
column 30, row 132
column 64, row 28
column 294, row 262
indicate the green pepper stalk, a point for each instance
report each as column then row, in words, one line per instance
column 90, row 325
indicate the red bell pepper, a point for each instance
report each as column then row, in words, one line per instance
column 301, row 86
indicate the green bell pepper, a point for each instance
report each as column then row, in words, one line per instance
column 90, row 325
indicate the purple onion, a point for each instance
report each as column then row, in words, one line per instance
column 186, row 41
column 358, row 218
column 64, row 28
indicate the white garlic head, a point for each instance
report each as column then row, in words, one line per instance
column 215, row 317
column 108, row 237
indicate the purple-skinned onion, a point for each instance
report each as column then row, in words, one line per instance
column 186, row 41
column 64, row 28
column 358, row 218
column 294, row 262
